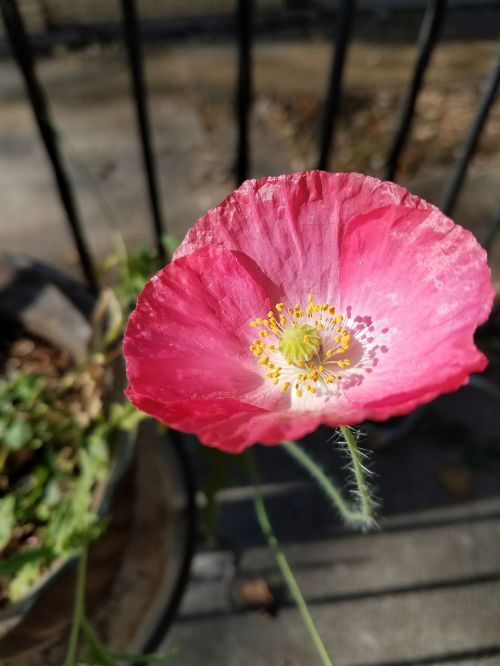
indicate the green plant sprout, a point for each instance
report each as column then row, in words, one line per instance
column 95, row 653
column 42, row 425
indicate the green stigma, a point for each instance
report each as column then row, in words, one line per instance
column 299, row 343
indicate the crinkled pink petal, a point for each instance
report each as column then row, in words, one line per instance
column 427, row 281
column 412, row 287
column 287, row 227
column 189, row 335
column 228, row 424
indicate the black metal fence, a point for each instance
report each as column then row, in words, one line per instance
column 431, row 28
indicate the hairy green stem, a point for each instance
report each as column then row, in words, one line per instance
column 78, row 610
column 351, row 513
column 345, row 510
column 359, row 475
column 288, row 575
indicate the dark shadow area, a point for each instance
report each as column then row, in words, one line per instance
column 390, row 22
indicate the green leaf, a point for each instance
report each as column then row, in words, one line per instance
column 73, row 523
column 7, row 519
column 17, row 434
column 170, row 242
column 13, row 564
column 94, row 459
column 30, row 492
column 125, row 416
column 24, row 580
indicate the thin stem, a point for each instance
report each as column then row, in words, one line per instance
column 95, row 643
column 81, row 623
column 108, row 657
column 288, row 575
column 78, row 610
column 359, row 474
column 327, row 485
column 350, row 513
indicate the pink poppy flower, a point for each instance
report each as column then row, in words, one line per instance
column 307, row 299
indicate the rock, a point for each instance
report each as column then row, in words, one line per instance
column 37, row 299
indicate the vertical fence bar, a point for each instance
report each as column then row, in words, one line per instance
column 470, row 143
column 345, row 20
column 245, row 10
column 134, row 50
column 429, row 33
column 22, row 52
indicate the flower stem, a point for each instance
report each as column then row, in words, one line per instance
column 359, row 475
column 81, row 625
column 78, row 610
column 318, row 474
column 350, row 513
column 106, row 659
column 288, row 575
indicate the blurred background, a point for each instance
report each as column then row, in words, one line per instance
column 191, row 67
column 243, row 89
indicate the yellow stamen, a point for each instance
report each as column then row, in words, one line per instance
column 296, row 338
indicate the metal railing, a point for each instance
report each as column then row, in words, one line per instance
column 431, row 29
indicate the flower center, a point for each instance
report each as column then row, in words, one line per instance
column 299, row 342
column 302, row 348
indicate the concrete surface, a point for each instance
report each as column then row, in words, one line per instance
column 422, row 590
